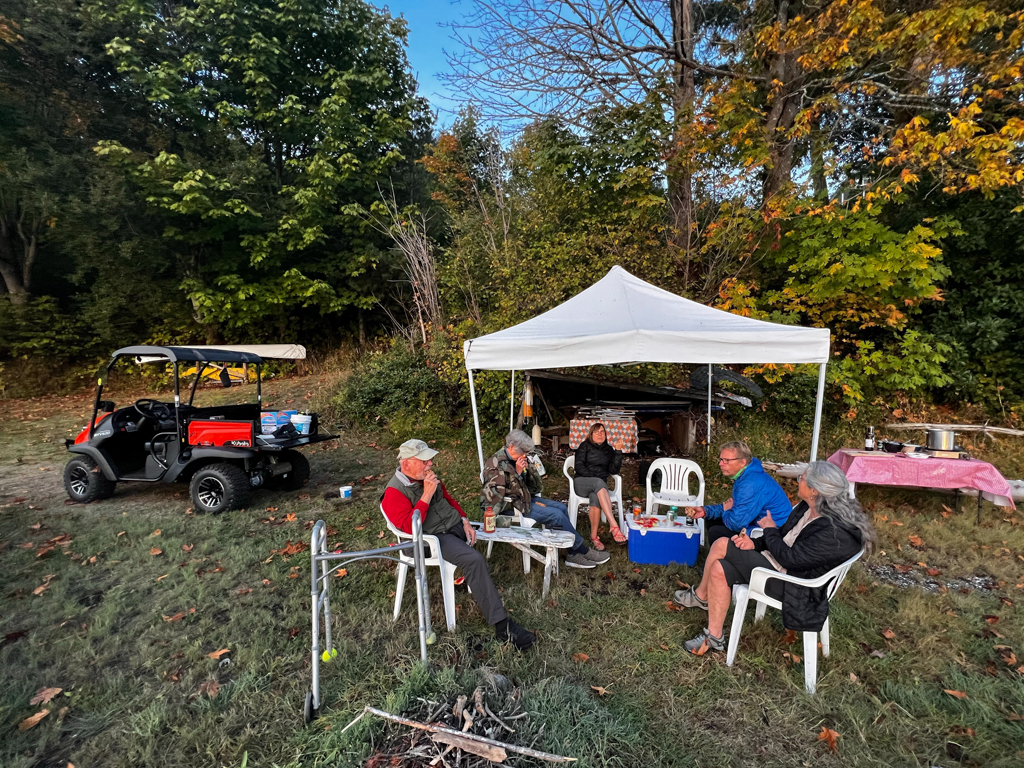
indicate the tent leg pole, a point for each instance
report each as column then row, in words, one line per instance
column 817, row 412
column 476, row 422
column 512, row 402
column 710, row 376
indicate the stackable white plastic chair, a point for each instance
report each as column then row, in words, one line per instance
column 432, row 556
column 523, row 521
column 615, row 492
column 675, row 487
column 742, row 593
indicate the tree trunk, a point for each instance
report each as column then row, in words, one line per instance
column 16, row 259
column 362, row 329
column 786, row 76
column 678, row 170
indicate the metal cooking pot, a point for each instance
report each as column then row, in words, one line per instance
column 941, row 439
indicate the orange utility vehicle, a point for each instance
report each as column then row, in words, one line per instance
column 220, row 451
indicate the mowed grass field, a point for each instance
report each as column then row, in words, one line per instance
column 120, row 605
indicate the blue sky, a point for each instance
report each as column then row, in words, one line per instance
column 427, row 43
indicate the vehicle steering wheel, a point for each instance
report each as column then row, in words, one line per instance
column 153, row 409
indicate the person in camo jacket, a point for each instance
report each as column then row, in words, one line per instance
column 512, row 485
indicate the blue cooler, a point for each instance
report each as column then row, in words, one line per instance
column 662, row 545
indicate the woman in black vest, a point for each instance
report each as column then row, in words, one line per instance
column 596, row 461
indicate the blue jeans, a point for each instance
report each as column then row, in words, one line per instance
column 555, row 515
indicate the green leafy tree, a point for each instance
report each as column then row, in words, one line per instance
column 276, row 121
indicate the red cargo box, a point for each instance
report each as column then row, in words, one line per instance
column 231, row 433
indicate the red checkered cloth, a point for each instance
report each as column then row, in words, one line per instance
column 616, row 429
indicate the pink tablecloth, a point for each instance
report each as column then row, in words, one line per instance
column 616, row 429
column 881, row 468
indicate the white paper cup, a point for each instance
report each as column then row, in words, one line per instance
column 346, row 491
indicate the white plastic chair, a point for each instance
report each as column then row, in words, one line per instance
column 432, row 556
column 615, row 492
column 742, row 593
column 525, row 522
column 675, row 487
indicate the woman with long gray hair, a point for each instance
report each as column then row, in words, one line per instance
column 824, row 530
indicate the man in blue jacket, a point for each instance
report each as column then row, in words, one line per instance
column 754, row 493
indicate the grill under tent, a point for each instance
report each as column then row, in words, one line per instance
column 622, row 320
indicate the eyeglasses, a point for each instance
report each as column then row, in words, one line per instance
column 724, row 460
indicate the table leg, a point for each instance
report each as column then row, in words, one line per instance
column 978, row 520
column 958, row 500
column 547, row 571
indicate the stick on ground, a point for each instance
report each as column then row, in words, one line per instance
column 480, row 739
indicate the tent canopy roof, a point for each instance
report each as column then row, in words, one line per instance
column 622, row 319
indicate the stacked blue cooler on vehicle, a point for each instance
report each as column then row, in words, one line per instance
column 675, row 544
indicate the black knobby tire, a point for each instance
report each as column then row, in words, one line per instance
column 298, row 476
column 217, row 488
column 85, row 482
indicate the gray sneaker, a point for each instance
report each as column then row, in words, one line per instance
column 704, row 642
column 688, row 599
column 579, row 560
column 597, row 557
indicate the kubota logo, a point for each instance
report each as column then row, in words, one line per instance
column 239, row 443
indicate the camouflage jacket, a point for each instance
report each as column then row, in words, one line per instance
column 501, row 481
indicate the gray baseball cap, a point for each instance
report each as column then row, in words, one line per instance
column 415, row 449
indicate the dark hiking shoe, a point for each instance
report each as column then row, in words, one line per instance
column 704, row 642
column 597, row 557
column 508, row 631
column 579, row 560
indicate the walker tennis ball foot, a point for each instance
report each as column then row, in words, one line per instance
column 432, row 637
column 329, row 656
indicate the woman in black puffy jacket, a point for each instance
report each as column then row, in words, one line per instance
column 596, row 461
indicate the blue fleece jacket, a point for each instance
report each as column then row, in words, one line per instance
column 753, row 494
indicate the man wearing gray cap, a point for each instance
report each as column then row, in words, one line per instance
column 416, row 487
column 512, row 485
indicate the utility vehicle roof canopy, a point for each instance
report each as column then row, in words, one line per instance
column 225, row 353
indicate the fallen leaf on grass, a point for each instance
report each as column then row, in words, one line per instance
column 32, row 722
column 218, row 654
column 854, row 678
column 187, row 547
column 243, row 591
column 340, row 574
column 47, row 580
column 158, row 578
column 154, row 551
column 176, row 617
column 44, row 695
column 916, row 540
column 601, row 691
column 791, row 657
column 956, row 694
column 266, row 582
column 888, row 634
column 290, row 517
column 790, row 638
column 934, row 572
column 636, row 570
column 672, row 606
column 121, row 533
column 36, row 526
column 211, row 688
column 830, row 737
column 155, row 533
column 380, row 535
column 991, row 619
column 580, row 657
column 360, row 527
column 293, row 575
column 663, row 647
column 289, row 548
column 902, row 568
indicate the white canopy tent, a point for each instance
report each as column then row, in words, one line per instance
column 621, row 319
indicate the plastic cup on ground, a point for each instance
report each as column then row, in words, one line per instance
column 346, row 491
